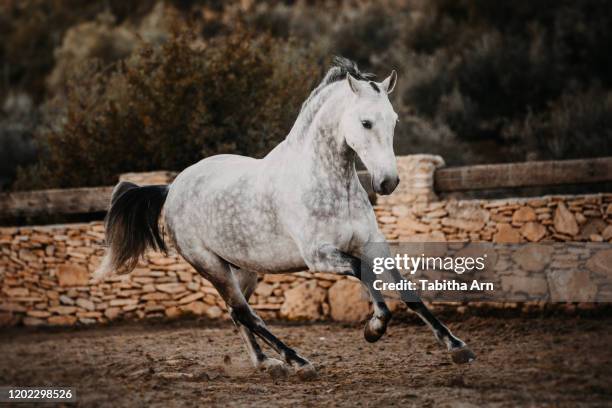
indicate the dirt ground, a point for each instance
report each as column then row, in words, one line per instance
column 553, row 361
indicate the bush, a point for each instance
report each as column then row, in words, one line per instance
column 575, row 125
column 474, row 74
column 18, row 121
column 367, row 35
column 170, row 106
column 32, row 29
column 480, row 68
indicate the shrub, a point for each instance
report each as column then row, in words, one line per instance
column 473, row 74
column 170, row 106
column 483, row 67
column 32, row 29
column 367, row 35
column 18, row 121
column 576, row 125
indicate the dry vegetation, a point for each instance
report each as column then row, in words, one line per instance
column 166, row 107
column 90, row 89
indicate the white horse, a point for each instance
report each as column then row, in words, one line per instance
column 300, row 207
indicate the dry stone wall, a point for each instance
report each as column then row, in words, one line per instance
column 45, row 280
column 45, row 271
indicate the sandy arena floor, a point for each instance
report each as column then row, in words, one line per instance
column 558, row 361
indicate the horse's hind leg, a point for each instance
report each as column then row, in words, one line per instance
column 247, row 281
column 242, row 312
column 218, row 272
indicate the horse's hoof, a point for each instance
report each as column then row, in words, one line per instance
column 306, row 372
column 462, row 355
column 372, row 336
column 374, row 330
column 274, row 367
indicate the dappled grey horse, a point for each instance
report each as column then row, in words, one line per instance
column 300, row 207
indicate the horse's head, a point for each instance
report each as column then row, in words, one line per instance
column 368, row 126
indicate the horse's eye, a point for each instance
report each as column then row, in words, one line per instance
column 366, row 124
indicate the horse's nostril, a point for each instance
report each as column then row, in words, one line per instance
column 388, row 185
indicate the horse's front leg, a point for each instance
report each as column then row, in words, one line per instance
column 376, row 327
column 459, row 351
column 327, row 258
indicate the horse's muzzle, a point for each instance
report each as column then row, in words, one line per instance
column 386, row 186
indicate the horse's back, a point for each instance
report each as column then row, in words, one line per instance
column 215, row 170
column 223, row 162
column 221, row 204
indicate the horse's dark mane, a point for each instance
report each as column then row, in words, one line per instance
column 341, row 67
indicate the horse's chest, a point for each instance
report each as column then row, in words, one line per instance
column 330, row 215
column 321, row 211
column 324, row 203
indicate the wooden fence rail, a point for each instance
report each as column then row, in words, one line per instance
column 78, row 200
column 528, row 174
column 469, row 178
column 57, row 201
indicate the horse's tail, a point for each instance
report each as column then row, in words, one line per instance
column 132, row 226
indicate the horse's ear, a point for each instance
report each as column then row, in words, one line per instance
column 389, row 83
column 353, row 83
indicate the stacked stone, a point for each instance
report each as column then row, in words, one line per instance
column 573, row 272
column 45, row 271
column 45, row 280
column 552, row 218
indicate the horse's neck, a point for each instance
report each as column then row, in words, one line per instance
column 320, row 141
column 329, row 153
